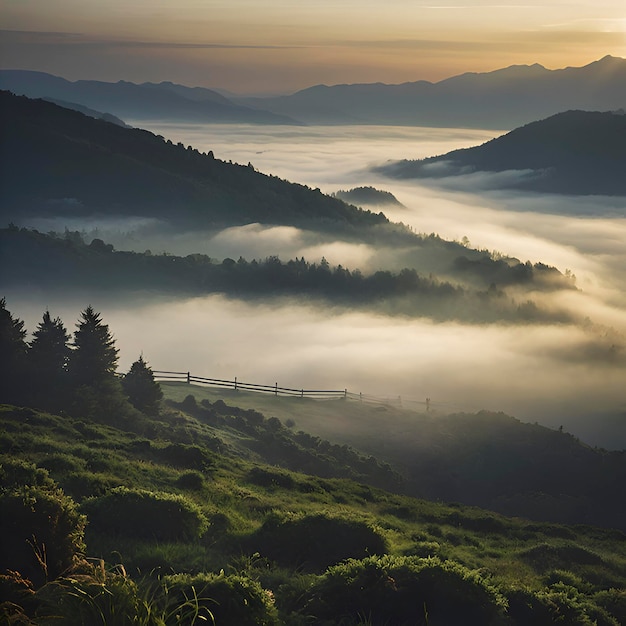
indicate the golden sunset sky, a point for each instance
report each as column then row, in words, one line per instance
column 280, row 46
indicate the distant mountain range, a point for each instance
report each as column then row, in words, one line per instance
column 576, row 152
column 148, row 101
column 56, row 161
column 502, row 99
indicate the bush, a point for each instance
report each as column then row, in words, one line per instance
column 231, row 600
column 146, row 515
column 42, row 532
column 314, row 542
column 16, row 472
column 93, row 595
column 403, row 591
column 187, row 456
column 270, row 478
column 61, row 463
column 613, row 601
column 192, row 480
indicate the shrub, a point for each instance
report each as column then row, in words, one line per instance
column 146, row 515
column 559, row 603
column 613, row 601
column 42, row 532
column 187, row 456
column 61, row 463
column 544, row 557
column 16, row 472
column 403, row 591
column 314, row 542
column 81, row 485
column 270, row 478
column 231, row 600
column 93, row 595
column 192, row 480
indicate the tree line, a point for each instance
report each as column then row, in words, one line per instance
column 77, row 375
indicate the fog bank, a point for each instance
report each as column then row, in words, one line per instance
column 570, row 375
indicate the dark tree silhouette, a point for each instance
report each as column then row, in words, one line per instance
column 47, row 362
column 13, row 348
column 94, row 357
column 97, row 391
column 143, row 391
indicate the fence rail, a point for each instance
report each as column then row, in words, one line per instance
column 236, row 385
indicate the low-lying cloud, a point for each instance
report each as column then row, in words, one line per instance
column 558, row 374
column 550, row 373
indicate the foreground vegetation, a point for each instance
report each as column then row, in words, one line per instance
column 122, row 508
column 182, row 524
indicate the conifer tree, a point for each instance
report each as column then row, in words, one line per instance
column 94, row 357
column 48, row 359
column 97, row 391
column 13, row 349
column 143, row 391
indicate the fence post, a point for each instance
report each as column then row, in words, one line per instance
column 345, row 393
column 302, row 393
column 188, row 378
column 276, row 389
column 360, row 396
column 235, row 383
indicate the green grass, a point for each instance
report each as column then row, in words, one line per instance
column 255, row 521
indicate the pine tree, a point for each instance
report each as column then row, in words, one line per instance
column 143, row 391
column 97, row 391
column 94, row 357
column 48, row 359
column 13, row 347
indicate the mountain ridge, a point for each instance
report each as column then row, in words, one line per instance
column 137, row 101
column 500, row 99
column 574, row 152
column 56, row 159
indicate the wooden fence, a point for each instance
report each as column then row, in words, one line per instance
column 236, row 385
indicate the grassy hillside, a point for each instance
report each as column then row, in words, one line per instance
column 485, row 459
column 192, row 523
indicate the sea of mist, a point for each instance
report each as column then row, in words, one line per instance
column 570, row 375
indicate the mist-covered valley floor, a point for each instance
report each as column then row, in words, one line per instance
column 568, row 374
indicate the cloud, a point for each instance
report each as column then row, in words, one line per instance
column 570, row 374
column 34, row 38
column 526, row 371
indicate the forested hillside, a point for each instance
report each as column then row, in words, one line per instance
column 30, row 258
column 59, row 162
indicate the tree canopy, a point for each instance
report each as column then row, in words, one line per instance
column 13, row 350
column 94, row 357
column 142, row 390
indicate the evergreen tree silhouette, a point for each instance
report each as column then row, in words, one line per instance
column 47, row 362
column 94, row 357
column 143, row 391
column 97, row 391
column 13, row 348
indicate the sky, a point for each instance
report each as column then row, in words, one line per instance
column 274, row 46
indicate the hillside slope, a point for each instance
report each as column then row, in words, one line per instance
column 56, row 161
column 483, row 459
column 576, row 152
column 177, row 511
